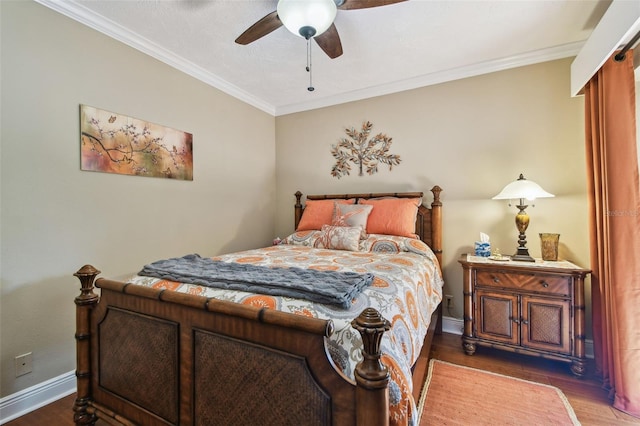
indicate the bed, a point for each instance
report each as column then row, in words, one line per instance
column 158, row 351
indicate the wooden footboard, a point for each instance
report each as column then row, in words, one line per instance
column 154, row 357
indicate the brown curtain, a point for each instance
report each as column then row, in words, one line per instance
column 614, row 203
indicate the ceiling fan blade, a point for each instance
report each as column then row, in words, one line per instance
column 260, row 29
column 363, row 4
column 329, row 42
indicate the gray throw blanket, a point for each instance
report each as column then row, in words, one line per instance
column 327, row 287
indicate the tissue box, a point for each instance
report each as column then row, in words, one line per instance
column 482, row 249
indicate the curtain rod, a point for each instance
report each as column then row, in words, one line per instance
column 620, row 56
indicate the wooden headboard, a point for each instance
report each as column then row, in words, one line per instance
column 428, row 222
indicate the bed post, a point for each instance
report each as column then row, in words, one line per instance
column 436, row 240
column 436, row 223
column 298, row 209
column 84, row 305
column 372, row 377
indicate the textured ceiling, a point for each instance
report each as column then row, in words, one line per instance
column 386, row 49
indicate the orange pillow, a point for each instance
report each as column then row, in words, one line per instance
column 317, row 213
column 393, row 216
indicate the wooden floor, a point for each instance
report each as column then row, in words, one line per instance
column 588, row 400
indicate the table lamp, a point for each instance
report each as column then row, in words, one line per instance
column 522, row 189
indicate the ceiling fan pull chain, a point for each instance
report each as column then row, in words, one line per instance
column 310, row 88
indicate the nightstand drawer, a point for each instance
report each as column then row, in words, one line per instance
column 540, row 283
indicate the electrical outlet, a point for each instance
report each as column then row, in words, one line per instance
column 24, row 364
column 449, row 299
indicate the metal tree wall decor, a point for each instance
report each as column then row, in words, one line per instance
column 364, row 152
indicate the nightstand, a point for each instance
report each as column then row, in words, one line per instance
column 534, row 308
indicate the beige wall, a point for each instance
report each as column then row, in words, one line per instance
column 56, row 218
column 471, row 137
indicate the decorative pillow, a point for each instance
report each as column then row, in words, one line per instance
column 339, row 237
column 393, row 216
column 317, row 213
column 302, row 238
column 376, row 243
column 351, row 215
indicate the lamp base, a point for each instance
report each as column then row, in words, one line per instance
column 522, row 258
column 522, row 222
column 522, row 254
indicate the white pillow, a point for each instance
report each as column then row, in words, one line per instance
column 339, row 237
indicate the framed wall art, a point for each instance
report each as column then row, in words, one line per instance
column 115, row 143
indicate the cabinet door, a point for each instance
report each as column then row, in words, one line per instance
column 545, row 324
column 497, row 316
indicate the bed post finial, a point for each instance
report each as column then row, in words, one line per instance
column 372, row 377
column 436, row 190
column 87, row 274
column 85, row 303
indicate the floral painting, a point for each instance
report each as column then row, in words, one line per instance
column 115, row 143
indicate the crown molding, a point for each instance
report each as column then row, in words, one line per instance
column 529, row 58
column 99, row 23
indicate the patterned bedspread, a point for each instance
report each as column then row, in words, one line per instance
column 406, row 289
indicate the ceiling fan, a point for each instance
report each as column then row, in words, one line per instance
column 309, row 19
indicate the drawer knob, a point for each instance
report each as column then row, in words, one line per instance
column 516, row 320
column 495, row 279
column 544, row 284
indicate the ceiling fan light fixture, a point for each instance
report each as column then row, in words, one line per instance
column 307, row 18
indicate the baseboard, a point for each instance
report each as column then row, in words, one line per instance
column 452, row 325
column 456, row 325
column 30, row 399
column 588, row 348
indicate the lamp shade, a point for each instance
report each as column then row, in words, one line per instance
column 522, row 188
column 307, row 18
